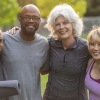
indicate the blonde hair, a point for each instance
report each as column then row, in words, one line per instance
column 69, row 13
column 94, row 35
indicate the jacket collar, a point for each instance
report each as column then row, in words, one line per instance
column 58, row 44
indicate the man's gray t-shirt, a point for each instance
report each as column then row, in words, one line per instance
column 22, row 60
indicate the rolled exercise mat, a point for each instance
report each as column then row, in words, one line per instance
column 9, row 88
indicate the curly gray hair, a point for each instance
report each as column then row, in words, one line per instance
column 69, row 13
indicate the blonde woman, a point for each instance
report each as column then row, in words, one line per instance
column 92, row 80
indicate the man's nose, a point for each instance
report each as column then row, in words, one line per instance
column 31, row 20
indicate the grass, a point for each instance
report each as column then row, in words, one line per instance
column 44, row 78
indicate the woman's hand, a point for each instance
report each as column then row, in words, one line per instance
column 13, row 30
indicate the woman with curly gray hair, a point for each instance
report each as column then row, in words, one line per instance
column 68, row 55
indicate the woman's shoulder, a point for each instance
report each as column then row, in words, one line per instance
column 89, row 62
column 51, row 39
column 82, row 41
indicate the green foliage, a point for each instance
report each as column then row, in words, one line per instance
column 46, row 6
column 8, row 12
column 84, row 35
column 93, row 8
column 24, row 2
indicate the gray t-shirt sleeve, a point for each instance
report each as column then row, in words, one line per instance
column 46, row 66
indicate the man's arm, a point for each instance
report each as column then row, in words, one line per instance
column 44, row 72
column 45, row 69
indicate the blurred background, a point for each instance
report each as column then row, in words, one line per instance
column 89, row 10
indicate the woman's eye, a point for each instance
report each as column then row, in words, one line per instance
column 92, row 44
column 57, row 24
column 99, row 44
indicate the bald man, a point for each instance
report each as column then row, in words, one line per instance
column 24, row 54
